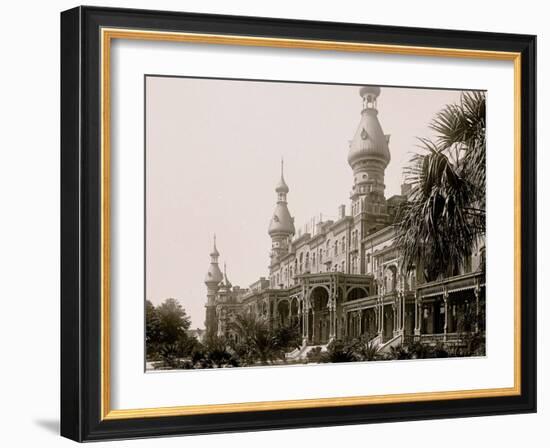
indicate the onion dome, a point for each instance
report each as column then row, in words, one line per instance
column 281, row 186
column 281, row 221
column 372, row 91
column 213, row 275
column 369, row 141
column 214, row 252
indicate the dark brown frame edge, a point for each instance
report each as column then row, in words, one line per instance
column 80, row 223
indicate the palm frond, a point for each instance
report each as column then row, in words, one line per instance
column 445, row 214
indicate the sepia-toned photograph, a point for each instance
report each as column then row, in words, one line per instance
column 306, row 223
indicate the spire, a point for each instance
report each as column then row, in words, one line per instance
column 225, row 279
column 213, row 275
column 281, row 223
column 214, row 252
column 282, row 187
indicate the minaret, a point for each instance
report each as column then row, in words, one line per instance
column 281, row 226
column 225, row 285
column 212, row 282
column 226, row 281
column 369, row 156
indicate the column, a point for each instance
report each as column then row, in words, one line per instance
column 445, row 304
column 398, row 312
column 395, row 317
column 306, row 321
column 290, row 312
column 404, row 299
column 345, row 325
column 313, row 326
column 275, row 313
column 476, row 292
column 301, row 310
column 383, row 317
column 330, row 320
column 404, row 312
column 378, row 317
column 417, row 314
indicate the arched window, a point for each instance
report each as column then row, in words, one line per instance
column 313, row 260
column 336, row 248
column 307, row 261
column 343, row 244
column 320, row 256
column 343, row 266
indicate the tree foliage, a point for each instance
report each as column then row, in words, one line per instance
column 166, row 328
column 215, row 352
column 174, row 321
column 346, row 350
column 152, row 329
column 441, row 222
column 257, row 343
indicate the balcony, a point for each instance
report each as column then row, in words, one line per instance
column 452, row 284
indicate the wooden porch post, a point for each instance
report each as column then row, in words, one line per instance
column 445, row 304
column 477, row 292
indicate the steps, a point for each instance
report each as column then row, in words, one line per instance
column 301, row 353
column 393, row 342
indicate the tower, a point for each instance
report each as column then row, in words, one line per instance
column 224, row 287
column 368, row 157
column 281, row 226
column 212, row 282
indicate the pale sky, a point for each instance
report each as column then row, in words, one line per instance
column 213, row 152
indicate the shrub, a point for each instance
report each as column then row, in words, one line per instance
column 214, row 353
column 368, row 351
column 315, row 355
column 418, row 350
column 169, row 356
column 340, row 351
column 399, row 352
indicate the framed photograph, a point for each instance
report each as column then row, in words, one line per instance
column 272, row 223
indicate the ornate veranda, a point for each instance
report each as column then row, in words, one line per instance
column 339, row 306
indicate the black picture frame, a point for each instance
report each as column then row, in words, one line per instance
column 81, row 224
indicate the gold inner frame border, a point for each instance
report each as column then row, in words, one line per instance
column 107, row 35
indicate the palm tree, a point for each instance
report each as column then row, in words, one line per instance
column 255, row 341
column 444, row 217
